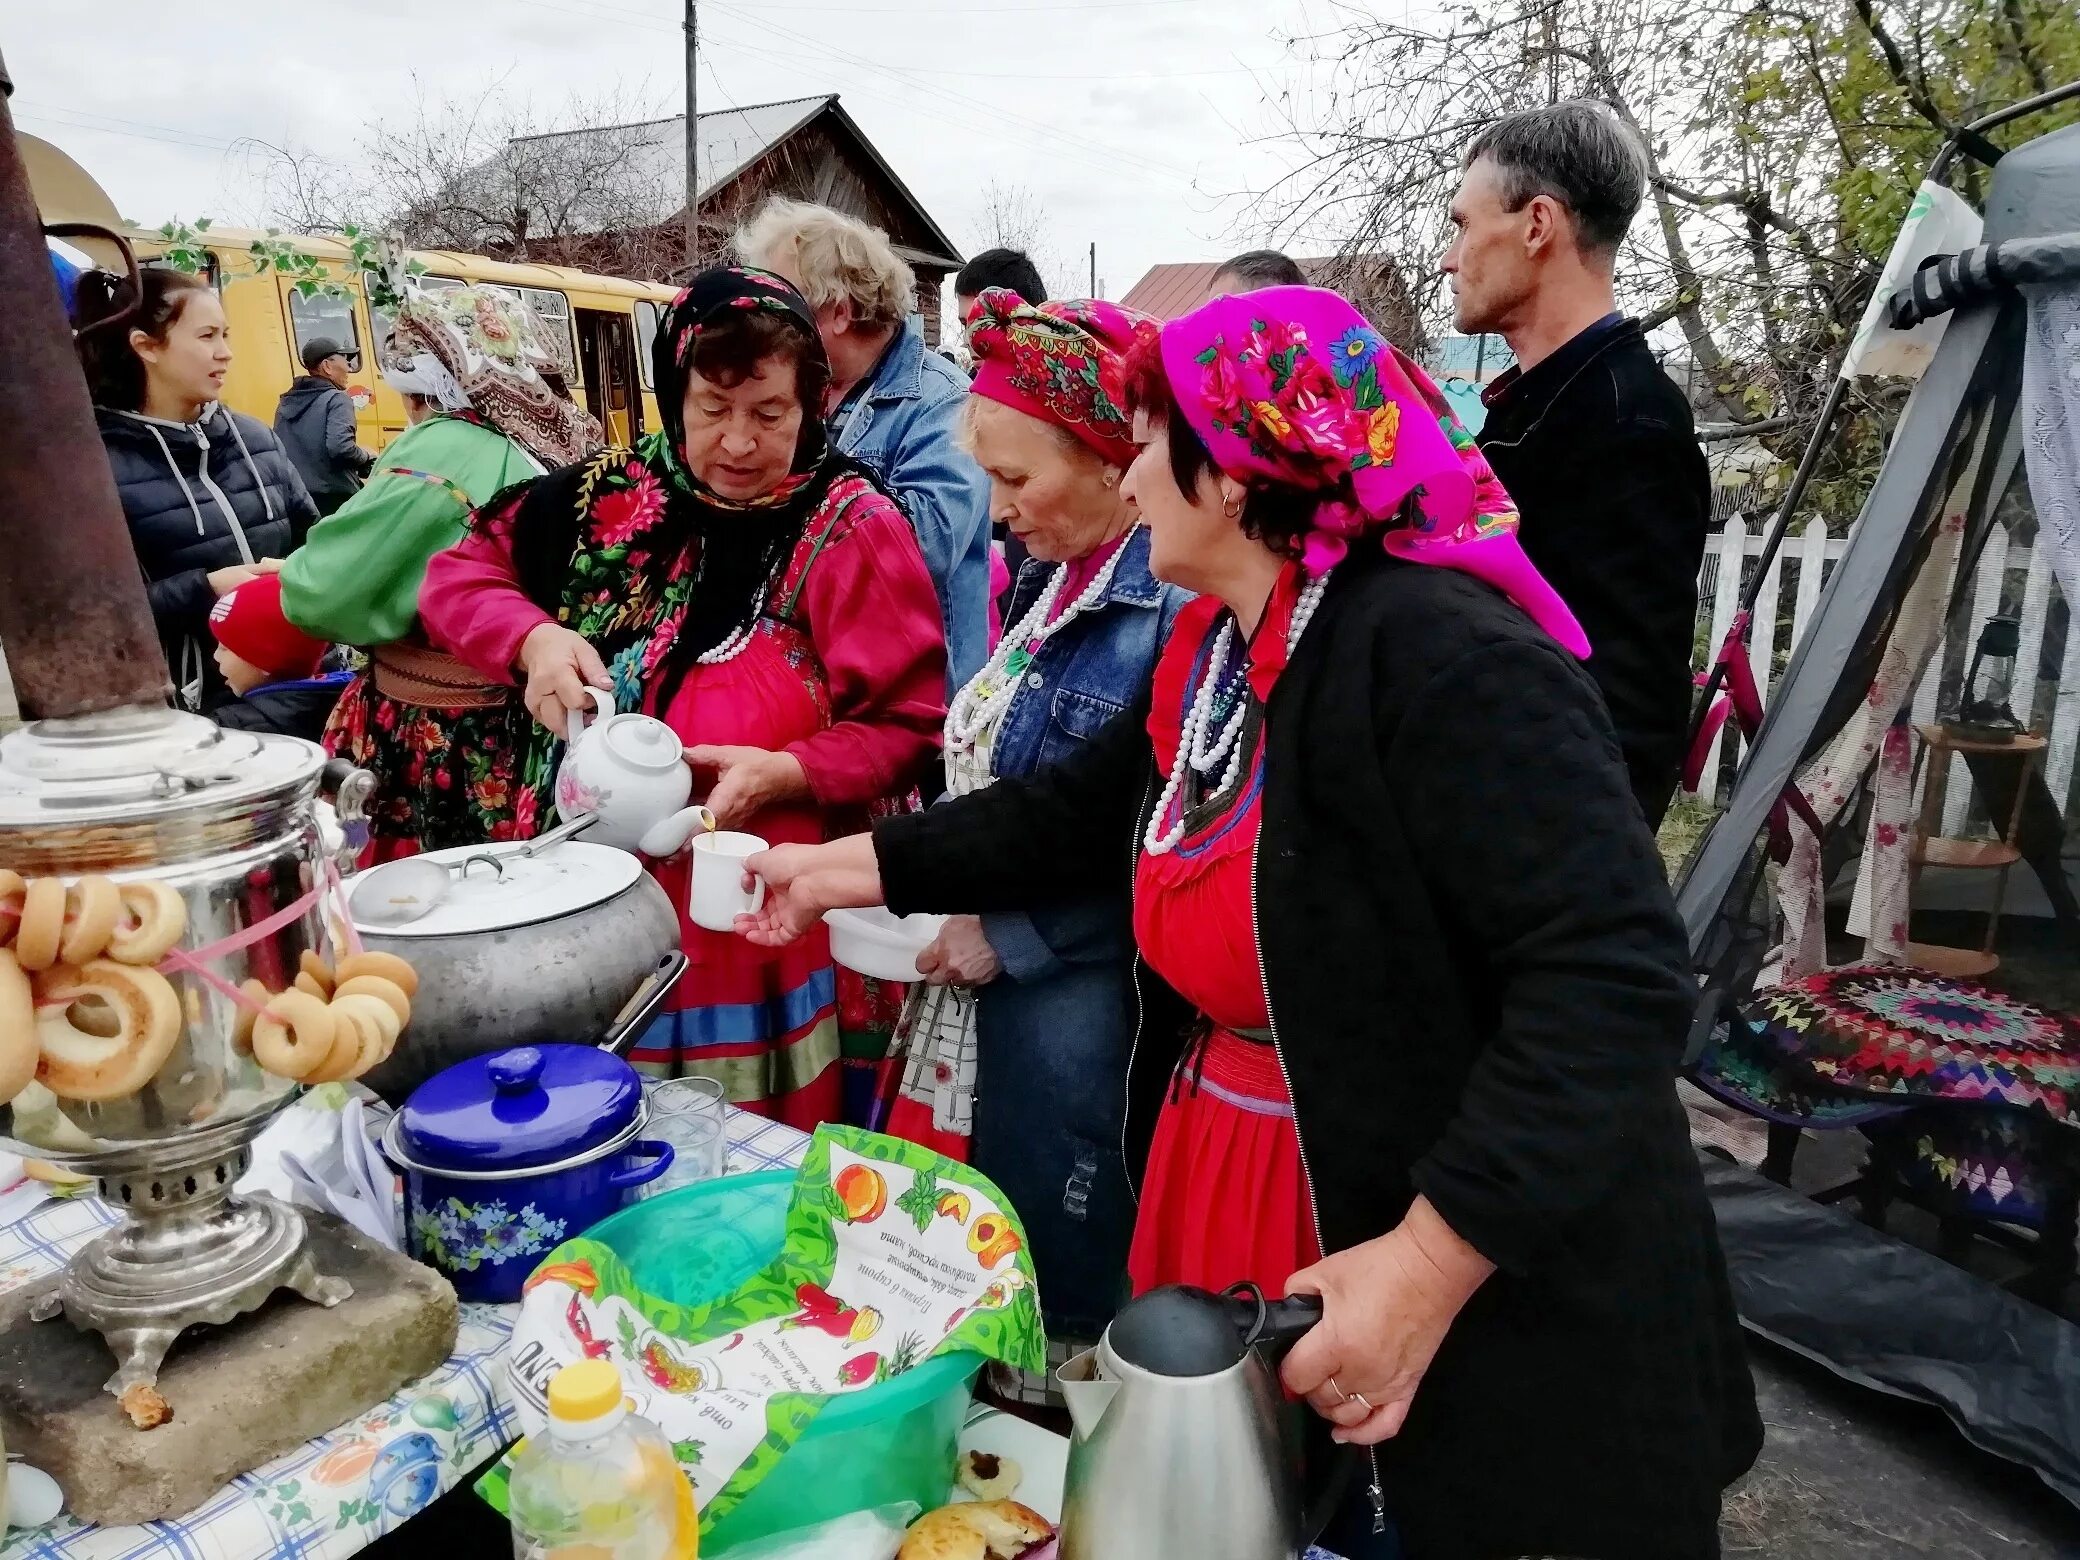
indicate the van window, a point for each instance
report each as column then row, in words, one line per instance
column 320, row 315
column 648, row 317
column 552, row 310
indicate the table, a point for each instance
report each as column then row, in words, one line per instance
column 320, row 1502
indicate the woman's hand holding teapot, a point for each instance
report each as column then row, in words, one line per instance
column 560, row 665
column 746, row 780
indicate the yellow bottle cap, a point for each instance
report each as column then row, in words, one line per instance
column 590, row 1389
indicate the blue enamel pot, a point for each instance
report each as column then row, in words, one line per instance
column 507, row 1156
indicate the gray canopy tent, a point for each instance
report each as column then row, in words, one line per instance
column 1809, row 1276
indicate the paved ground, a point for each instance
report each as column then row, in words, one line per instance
column 1847, row 1474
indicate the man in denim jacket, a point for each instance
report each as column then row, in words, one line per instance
column 893, row 403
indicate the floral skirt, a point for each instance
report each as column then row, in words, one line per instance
column 443, row 777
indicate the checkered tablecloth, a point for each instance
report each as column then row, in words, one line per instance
column 333, row 1496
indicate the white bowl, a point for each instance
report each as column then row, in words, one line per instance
column 877, row 943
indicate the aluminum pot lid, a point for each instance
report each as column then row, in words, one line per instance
column 511, row 1110
column 516, row 891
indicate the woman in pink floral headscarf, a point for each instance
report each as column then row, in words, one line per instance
column 1413, row 989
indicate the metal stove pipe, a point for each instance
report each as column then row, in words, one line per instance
column 74, row 621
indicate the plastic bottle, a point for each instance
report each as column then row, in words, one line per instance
column 601, row 1483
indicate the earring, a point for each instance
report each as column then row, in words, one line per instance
column 1111, row 477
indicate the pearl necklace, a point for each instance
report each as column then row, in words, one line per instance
column 1194, row 753
column 733, row 646
column 978, row 706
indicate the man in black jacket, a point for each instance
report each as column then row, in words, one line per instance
column 315, row 422
column 1591, row 438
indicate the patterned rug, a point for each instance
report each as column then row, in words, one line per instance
column 1908, row 1035
column 1985, row 1164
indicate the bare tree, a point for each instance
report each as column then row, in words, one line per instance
column 300, row 191
column 591, row 183
column 1011, row 216
column 1784, row 140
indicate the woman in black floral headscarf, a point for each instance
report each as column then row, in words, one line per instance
column 759, row 594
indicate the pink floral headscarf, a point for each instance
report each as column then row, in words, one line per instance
column 1290, row 385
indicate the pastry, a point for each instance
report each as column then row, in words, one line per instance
column 18, row 1049
column 43, row 924
column 293, row 1037
column 380, row 987
column 309, row 964
column 103, row 1030
column 976, row 1530
column 147, row 1410
column 387, row 965
column 153, row 917
column 987, row 1476
column 91, row 908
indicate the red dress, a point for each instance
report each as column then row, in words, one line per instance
column 1225, row 1195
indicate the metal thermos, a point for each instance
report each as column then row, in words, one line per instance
column 1184, row 1446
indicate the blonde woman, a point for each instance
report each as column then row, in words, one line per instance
column 893, row 403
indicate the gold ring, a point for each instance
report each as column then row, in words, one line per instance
column 1341, row 1395
column 1359, row 1397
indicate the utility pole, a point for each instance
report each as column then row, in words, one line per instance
column 693, row 137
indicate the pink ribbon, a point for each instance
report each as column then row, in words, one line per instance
column 191, row 961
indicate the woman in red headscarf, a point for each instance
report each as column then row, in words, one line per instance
column 1414, row 988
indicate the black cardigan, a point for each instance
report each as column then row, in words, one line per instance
column 1478, row 985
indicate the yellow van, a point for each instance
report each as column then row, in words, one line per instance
column 600, row 327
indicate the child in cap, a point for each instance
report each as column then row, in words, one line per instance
column 271, row 665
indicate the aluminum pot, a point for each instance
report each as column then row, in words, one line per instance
column 525, row 951
column 507, row 1156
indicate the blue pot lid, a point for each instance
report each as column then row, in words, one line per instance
column 509, row 1110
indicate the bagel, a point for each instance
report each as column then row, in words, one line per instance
column 153, row 917
column 380, row 987
column 42, row 927
column 308, row 963
column 387, row 965
column 310, row 984
column 292, row 1038
column 91, row 908
column 18, row 1051
column 78, row 1060
column 11, row 890
column 342, row 1056
column 374, row 1023
column 243, row 1017
column 388, row 1025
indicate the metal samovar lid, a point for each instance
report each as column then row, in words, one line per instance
column 128, row 787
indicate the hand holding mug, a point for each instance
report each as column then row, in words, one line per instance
column 560, row 667
column 803, row 881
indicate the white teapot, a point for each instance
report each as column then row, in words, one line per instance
column 628, row 770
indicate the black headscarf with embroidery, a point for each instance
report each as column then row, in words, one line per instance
column 741, row 545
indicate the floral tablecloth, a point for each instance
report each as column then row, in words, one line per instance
column 333, row 1496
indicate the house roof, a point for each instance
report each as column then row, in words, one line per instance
column 654, row 154
column 1170, row 290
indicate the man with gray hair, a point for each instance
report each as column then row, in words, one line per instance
column 1594, row 442
column 892, row 403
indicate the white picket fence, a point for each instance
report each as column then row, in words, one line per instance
column 2011, row 576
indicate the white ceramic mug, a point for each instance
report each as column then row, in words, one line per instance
column 715, row 893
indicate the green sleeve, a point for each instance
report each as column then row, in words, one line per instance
column 356, row 579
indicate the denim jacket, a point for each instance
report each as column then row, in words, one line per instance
column 1083, row 677
column 901, row 422
column 1057, row 1024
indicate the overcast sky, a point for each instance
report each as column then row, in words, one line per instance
column 1129, row 121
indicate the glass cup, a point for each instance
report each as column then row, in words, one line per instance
column 689, row 1114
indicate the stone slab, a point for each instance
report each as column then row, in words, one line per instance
column 241, row 1394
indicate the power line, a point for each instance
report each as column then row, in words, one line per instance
column 109, row 124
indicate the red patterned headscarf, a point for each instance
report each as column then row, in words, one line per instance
column 1290, row 385
column 1063, row 362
